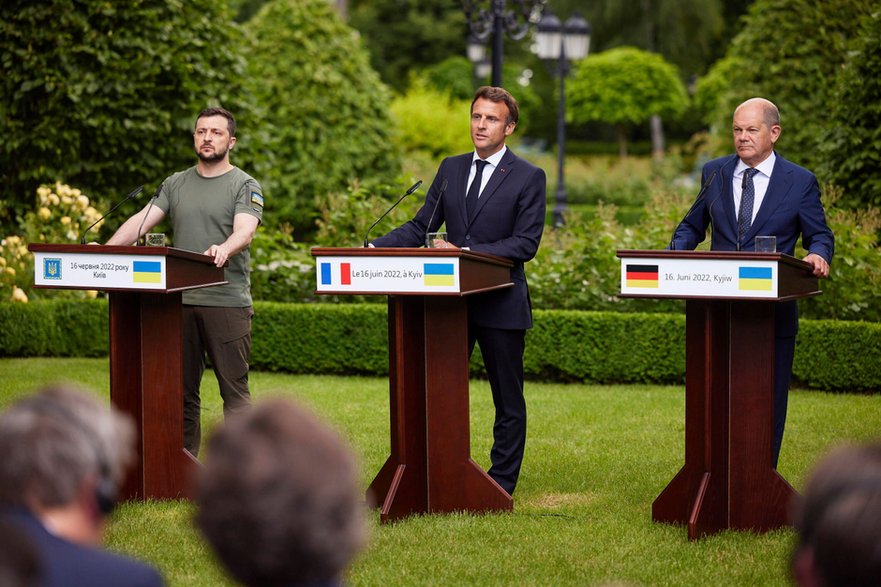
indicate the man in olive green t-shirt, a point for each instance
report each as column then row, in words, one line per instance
column 215, row 209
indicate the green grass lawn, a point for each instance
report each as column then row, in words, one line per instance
column 596, row 458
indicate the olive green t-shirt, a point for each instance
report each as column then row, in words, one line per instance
column 202, row 211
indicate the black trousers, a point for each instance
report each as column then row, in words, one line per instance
column 784, row 353
column 502, row 352
column 224, row 335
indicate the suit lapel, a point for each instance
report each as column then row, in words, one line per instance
column 500, row 174
column 778, row 188
column 727, row 176
column 464, row 168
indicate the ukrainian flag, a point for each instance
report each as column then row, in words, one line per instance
column 755, row 278
column 147, row 272
column 439, row 274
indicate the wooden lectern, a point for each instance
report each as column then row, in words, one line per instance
column 146, row 372
column 728, row 481
column 430, row 469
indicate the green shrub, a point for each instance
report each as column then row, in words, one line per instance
column 103, row 95
column 838, row 355
column 432, row 121
column 320, row 338
column 59, row 328
column 349, row 339
column 325, row 118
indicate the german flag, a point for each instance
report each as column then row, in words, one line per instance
column 642, row 276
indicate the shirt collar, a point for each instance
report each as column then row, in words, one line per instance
column 766, row 166
column 493, row 159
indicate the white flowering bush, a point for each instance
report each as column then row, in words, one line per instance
column 60, row 215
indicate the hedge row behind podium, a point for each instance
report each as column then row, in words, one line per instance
column 146, row 374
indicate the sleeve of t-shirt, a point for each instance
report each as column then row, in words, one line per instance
column 250, row 200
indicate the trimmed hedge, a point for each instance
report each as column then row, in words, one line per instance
column 564, row 345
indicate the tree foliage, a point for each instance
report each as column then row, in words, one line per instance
column 792, row 52
column 407, row 35
column 324, row 117
column 851, row 150
column 103, row 95
column 623, row 87
column 424, row 107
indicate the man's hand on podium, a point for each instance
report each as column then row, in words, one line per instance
column 442, row 244
column 821, row 267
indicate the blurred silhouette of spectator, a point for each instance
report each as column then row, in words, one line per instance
column 64, row 454
column 839, row 521
column 279, row 500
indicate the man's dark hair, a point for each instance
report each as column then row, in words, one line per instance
column 279, row 499
column 839, row 519
column 496, row 94
column 216, row 111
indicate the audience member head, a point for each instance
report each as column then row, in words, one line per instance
column 279, row 499
column 64, row 455
column 839, row 520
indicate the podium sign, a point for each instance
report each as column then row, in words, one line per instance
column 727, row 481
column 94, row 270
column 690, row 274
column 430, row 469
column 384, row 274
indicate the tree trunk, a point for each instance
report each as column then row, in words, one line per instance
column 657, row 126
column 342, row 7
column 622, row 141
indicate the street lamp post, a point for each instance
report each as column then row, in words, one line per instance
column 558, row 44
column 492, row 17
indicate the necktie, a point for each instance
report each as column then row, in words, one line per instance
column 474, row 190
column 745, row 218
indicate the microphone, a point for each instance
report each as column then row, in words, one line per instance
column 141, row 227
column 131, row 195
column 412, row 189
column 440, row 195
column 697, row 200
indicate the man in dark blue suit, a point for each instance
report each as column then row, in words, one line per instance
column 758, row 193
column 494, row 202
column 63, row 455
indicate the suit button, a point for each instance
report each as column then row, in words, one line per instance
column 467, row 237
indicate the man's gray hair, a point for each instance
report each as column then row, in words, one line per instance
column 54, row 440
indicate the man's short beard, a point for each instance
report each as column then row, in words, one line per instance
column 213, row 157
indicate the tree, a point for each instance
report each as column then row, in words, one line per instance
column 407, row 35
column 623, row 87
column 851, row 149
column 103, row 95
column 324, row 119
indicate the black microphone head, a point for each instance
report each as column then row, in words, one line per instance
column 135, row 192
column 413, row 188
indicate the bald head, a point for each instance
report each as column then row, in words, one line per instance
column 768, row 111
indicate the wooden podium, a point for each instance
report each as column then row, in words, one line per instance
column 146, row 372
column 727, row 481
column 430, row 469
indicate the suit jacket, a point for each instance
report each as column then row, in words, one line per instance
column 65, row 564
column 508, row 221
column 791, row 209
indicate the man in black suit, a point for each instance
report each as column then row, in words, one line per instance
column 494, row 203
column 63, row 455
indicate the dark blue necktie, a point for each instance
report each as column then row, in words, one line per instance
column 474, row 189
column 745, row 218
